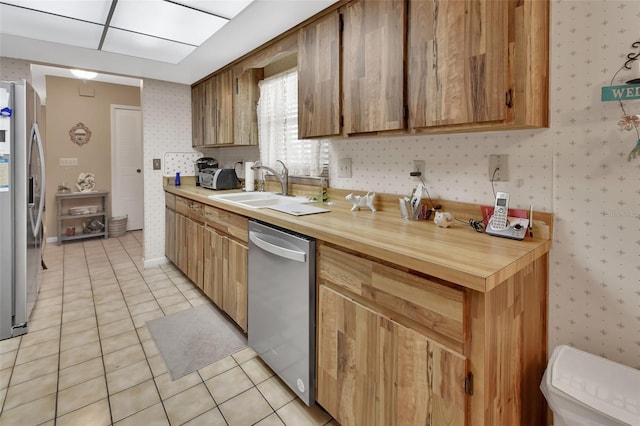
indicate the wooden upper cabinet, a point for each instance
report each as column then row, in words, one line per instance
column 477, row 65
column 457, row 62
column 245, row 105
column 319, row 78
column 373, row 66
column 224, row 84
column 198, row 99
column 212, row 110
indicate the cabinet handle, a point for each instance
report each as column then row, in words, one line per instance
column 509, row 98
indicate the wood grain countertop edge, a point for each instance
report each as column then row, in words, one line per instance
column 457, row 254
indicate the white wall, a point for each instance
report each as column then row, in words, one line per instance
column 166, row 121
column 577, row 169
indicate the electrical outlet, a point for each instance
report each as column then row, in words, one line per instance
column 498, row 168
column 156, row 164
column 418, row 166
column 344, row 168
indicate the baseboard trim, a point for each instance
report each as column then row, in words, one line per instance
column 155, row 262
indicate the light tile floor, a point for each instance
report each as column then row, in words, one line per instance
column 88, row 358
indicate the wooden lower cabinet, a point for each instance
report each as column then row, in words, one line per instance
column 213, row 265
column 395, row 347
column 225, row 264
column 195, row 255
column 184, row 237
column 181, row 243
column 170, row 234
column 234, row 301
column 374, row 371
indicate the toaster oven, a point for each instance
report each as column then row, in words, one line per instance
column 218, row 179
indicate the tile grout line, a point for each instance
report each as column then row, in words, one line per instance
column 146, row 358
column 104, row 367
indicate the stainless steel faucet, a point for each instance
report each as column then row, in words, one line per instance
column 283, row 177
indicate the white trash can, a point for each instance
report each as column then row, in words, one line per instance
column 583, row 389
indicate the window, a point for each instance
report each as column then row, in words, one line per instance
column 278, row 128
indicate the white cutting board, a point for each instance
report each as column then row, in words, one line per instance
column 298, row 209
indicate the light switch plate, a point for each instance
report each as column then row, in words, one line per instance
column 157, row 165
column 64, row 162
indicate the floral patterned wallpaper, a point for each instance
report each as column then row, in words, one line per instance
column 576, row 169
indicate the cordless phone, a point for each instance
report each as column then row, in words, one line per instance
column 499, row 220
column 501, row 225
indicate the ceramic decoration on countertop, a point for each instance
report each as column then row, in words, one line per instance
column 443, row 219
column 86, row 182
column 362, row 201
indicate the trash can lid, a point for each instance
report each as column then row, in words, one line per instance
column 606, row 386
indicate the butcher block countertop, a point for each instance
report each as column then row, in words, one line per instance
column 457, row 254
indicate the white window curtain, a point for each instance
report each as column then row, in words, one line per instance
column 278, row 128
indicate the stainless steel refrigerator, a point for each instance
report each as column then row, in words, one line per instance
column 22, row 186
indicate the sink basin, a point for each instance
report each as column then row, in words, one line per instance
column 258, row 200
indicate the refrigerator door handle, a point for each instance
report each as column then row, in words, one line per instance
column 35, row 135
column 30, row 202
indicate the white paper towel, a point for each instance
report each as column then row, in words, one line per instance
column 249, row 177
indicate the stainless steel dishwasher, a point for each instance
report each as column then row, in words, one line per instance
column 282, row 301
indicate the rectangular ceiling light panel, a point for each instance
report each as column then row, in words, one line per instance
column 225, row 8
column 43, row 26
column 95, row 11
column 166, row 20
column 142, row 46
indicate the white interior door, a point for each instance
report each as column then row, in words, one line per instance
column 127, row 182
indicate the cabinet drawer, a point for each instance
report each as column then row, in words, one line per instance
column 232, row 224
column 190, row 208
column 182, row 206
column 435, row 309
column 196, row 211
column 170, row 201
column 216, row 218
column 238, row 227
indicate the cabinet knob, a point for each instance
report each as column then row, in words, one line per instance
column 138, row 171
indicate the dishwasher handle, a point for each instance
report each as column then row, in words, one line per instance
column 296, row 256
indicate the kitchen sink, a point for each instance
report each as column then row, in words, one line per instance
column 258, row 200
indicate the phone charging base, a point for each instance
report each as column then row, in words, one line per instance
column 516, row 229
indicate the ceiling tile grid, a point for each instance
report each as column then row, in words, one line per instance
column 165, row 31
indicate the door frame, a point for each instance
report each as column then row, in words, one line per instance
column 113, row 108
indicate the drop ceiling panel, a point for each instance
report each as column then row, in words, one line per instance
column 225, row 8
column 43, row 26
column 95, row 11
column 166, row 20
column 142, row 46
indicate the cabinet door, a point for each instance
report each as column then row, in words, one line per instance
column 224, row 108
column 170, row 235
column 457, row 62
column 181, row 242
column 373, row 66
column 319, row 78
column 235, row 282
column 213, row 265
column 198, row 104
column 245, row 117
column 347, row 359
column 209, row 114
column 372, row 370
column 194, row 241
